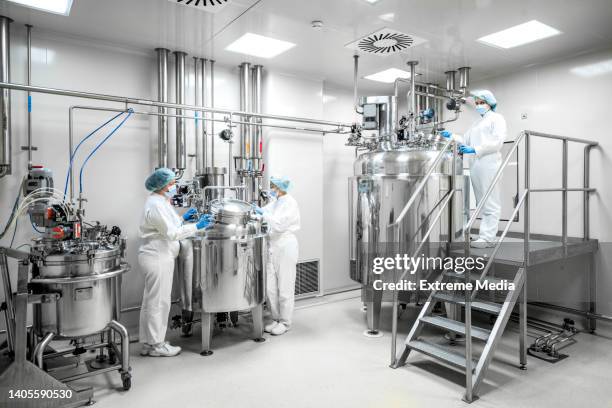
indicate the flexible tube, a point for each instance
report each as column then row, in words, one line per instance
column 130, row 112
column 79, row 145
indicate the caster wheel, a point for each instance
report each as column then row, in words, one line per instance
column 127, row 382
column 259, row 340
column 523, row 367
column 206, row 353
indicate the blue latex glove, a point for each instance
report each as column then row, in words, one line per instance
column 463, row 149
column 189, row 214
column 204, row 221
column 446, row 134
column 257, row 209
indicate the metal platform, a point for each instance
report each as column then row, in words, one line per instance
column 542, row 249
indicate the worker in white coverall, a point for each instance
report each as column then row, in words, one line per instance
column 283, row 218
column 482, row 144
column 161, row 229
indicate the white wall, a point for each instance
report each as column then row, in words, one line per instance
column 114, row 178
column 558, row 101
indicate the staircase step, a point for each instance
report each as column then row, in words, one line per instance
column 440, row 353
column 456, row 327
column 483, row 306
column 475, row 276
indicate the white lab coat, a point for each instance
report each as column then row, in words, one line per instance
column 161, row 229
column 283, row 218
column 486, row 136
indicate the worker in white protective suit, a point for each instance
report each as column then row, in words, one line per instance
column 283, row 218
column 482, row 144
column 161, row 230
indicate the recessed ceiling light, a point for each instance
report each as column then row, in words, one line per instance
column 372, row 1
column 390, row 17
column 519, row 35
column 259, row 46
column 51, row 6
column 388, row 76
column 591, row 70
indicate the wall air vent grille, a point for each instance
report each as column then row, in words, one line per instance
column 212, row 6
column 307, row 278
column 385, row 41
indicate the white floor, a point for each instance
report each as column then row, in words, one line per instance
column 325, row 361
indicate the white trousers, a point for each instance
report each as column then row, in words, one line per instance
column 280, row 287
column 156, row 260
column 482, row 172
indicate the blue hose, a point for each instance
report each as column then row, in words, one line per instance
column 79, row 145
column 130, row 112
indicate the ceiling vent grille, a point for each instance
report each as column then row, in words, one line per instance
column 386, row 41
column 212, row 6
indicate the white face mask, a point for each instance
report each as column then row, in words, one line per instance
column 171, row 192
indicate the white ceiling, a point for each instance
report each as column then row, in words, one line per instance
column 450, row 26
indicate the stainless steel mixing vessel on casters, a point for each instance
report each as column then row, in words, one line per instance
column 230, row 260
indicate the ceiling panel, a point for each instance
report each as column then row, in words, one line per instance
column 450, row 28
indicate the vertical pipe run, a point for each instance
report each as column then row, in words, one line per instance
column 29, row 94
column 212, row 115
column 245, row 106
column 564, row 197
column 181, row 135
column 356, row 84
column 5, row 98
column 162, row 96
column 197, row 100
column 464, row 79
column 412, row 97
column 204, row 122
column 257, row 106
column 450, row 80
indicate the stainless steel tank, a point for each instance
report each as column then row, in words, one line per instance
column 383, row 183
column 230, row 259
column 84, row 273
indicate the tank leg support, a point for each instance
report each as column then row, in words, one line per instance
column 373, row 313
column 207, row 331
column 258, row 323
column 125, row 347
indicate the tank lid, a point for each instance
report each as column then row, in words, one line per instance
column 230, row 206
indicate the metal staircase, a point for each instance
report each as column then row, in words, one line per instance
column 475, row 367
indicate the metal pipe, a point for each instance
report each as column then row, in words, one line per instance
column 356, row 85
column 181, row 134
column 145, row 102
column 464, row 78
column 557, row 137
column 572, row 311
column 41, row 349
column 29, row 95
column 197, row 77
column 257, row 107
column 556, row 190
column 412, row 97
column 162, row 96
column 450, row 80
column 564, row 162
column 5, row 98
column 204, row 123
column 212, row 116
column 8, row 300
column 125, row 344
column 245, row 138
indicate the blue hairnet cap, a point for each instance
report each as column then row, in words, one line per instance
column 283, row 183
column 159, row 179
column 486, row 96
